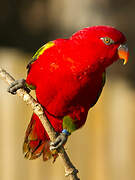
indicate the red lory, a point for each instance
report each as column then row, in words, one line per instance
column 68, row 76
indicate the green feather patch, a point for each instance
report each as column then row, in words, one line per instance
column 30, row 86
column 103, row 78
column 68, row 124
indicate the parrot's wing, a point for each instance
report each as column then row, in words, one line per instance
column 39, row 52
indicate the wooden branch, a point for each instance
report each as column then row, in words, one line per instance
column 70, row 169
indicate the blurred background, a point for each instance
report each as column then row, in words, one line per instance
column 104, row 148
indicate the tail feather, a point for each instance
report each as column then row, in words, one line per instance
column 37, row 152
column 37, row 142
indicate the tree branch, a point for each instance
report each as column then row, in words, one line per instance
column 70, row 169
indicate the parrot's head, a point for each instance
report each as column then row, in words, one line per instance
column 104, row 44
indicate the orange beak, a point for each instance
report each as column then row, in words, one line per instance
column 123, row 53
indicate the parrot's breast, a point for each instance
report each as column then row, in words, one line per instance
column 64, row 96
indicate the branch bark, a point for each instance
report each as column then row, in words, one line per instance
column 70, row 169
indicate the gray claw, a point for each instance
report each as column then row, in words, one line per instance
column 17, row 85
column 60, row 140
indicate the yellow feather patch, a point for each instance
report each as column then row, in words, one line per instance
column 39, row 52
column 42, row 49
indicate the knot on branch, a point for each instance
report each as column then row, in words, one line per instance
column 38, row 109
column 72, row 171
column 26, row 97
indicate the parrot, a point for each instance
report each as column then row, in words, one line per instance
column 68, row 76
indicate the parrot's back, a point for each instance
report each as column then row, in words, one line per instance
column 63, row 78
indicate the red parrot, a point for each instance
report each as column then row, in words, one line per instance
column 68, row 76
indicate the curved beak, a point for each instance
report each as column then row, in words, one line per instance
column 123, row 52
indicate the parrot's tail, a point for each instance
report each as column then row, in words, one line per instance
column 37, row 142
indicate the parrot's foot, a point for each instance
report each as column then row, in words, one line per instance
column 60, row 141
column 18, row 84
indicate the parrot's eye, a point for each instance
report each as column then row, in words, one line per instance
column 107, row 40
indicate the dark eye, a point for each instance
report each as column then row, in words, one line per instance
column 107, row 40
